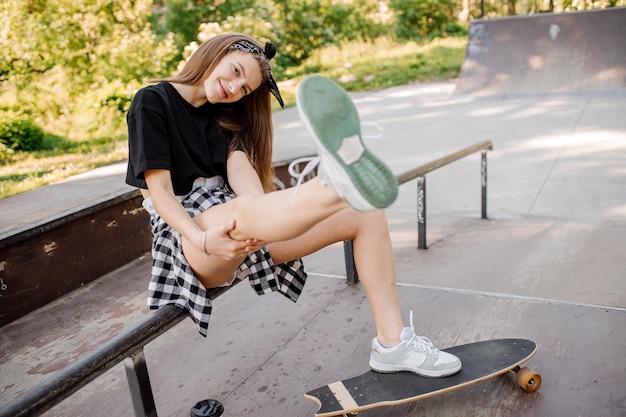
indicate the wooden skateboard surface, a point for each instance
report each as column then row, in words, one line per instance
column 481, row 361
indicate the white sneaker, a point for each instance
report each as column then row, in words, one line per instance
column 347, row 166
column 415, row 354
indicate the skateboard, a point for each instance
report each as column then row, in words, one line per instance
column 481, row 361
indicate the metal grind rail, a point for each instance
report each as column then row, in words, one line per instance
column 128, row 346
column 419, row 173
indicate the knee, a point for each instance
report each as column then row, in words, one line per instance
column 372, row 220
column 238, row 205
column 238, row 209
column 377, row 216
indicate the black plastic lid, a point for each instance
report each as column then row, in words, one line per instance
column 207, row 408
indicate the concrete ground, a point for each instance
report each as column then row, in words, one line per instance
column 547, row 265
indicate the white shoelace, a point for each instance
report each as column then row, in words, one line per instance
column 421, row 342
column 313, row 161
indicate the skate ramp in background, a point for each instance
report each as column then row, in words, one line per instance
column 576, row 52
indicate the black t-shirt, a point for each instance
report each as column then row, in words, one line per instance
column 166, row 132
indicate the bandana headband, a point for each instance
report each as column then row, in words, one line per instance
column 269, row 53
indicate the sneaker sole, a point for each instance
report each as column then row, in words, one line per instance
column 331, row 118
column 388, row 369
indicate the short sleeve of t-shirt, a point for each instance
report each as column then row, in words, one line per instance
column 167, row 132
column 148, row 144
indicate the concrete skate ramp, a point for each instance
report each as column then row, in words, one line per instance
column 577, row 52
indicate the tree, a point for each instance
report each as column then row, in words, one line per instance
column 307, row 25
column 421, row 18
column 65, row 56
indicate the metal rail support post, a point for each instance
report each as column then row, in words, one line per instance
column 139, row 384
column 348, row 251
column 483, row 183
column 421, row 213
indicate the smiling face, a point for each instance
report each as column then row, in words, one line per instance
column 237, row 75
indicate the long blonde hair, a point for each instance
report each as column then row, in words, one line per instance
column 250, row 119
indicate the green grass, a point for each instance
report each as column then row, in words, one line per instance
column 357, row 66
column 30, row 170
column 360, row 66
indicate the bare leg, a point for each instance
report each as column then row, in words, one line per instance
column 274, row 216
column 316, row 219
column 373, row 257
column 268, row 217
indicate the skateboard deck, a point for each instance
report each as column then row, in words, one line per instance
column 481, row 361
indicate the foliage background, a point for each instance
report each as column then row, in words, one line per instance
column 69, row 68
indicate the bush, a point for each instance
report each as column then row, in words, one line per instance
column 417, row 19
column 454, row 29
column 22, row 135
column 6, row 154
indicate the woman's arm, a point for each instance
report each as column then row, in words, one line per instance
column 169, row 208
column 242, row 177
column 217, row 242
column 244, row 180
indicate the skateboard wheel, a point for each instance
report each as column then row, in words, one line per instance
column 350, row 414
column 529, row 380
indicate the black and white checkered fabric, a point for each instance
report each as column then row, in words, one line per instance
column 172, row 280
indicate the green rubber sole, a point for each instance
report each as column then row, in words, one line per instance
column 333, row 121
